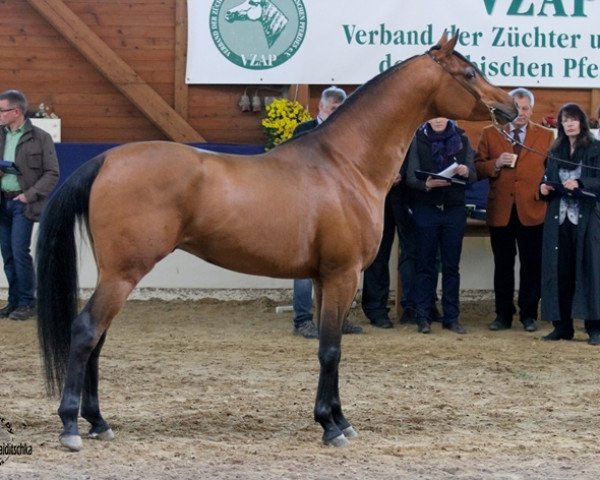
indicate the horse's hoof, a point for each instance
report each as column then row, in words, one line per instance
column 72, row 442
column 349, row 432
column 339, row 441
column 106, row 435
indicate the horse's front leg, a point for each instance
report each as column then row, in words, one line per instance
column 337, row 295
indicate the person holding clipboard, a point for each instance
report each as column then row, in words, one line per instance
column 440, row 164
column 570, row 253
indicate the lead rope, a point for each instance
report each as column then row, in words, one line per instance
column 512, row 141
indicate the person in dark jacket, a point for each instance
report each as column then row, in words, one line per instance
column 24, row 193
column 570, row 254
column 376, row 278
column 440, row 216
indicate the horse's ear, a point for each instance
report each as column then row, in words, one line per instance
column 447, row 46
column 452, row 42
column 443, row 39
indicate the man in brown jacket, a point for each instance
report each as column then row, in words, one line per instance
column 515, row 213
column 31, row 172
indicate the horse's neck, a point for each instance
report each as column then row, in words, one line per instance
column 380, row 124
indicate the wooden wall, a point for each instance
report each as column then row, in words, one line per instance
column 41, row 62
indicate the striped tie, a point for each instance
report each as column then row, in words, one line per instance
column 517, row 139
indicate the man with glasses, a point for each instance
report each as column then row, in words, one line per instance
column 24, row 189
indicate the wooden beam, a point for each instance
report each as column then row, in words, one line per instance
column 300, row 93
column 595, row 103
column 118, row 72
column 181, row 88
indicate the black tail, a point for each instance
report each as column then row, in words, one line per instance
column 56, row 259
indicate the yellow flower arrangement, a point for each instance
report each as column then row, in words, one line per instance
column 282, row 117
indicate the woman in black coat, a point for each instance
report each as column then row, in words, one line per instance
column 571, row 253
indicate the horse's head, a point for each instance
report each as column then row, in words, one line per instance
column 247, row 10
column 467, row 94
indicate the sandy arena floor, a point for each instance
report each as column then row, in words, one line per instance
column 222, row 390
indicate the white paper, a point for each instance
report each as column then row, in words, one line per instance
column 449, row 171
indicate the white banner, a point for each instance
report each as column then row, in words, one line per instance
column 535, row 43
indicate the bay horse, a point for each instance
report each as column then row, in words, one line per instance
column 311, row 207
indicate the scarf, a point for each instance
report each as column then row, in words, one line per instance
column 563, row 152
column 443, row 144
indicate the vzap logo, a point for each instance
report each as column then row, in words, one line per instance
column 258, row 34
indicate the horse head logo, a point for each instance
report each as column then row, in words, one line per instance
column 272, row 20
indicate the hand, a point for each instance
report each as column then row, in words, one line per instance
column 546, row 189
column 436, row 183
column 571, row 184
column 504, row 160
column 462, row 170
column 21, row 198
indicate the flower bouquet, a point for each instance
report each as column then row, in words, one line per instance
column 282, row 117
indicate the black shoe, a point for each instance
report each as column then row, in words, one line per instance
column 7, row 310
column 22, row 313
column 307, row 329
column 500, row 323
column 382, row 322
column 456, row 328
column 529, row 324
column 594, row 338
column 408, row 317
column 349, row 328
column 424, row 327
column 556, row 335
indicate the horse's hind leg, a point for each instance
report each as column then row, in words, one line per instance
column 88, row 331
column 90, row 406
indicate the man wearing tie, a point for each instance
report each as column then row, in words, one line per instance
column 515, row 213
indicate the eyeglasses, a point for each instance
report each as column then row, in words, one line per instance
column 4, row 110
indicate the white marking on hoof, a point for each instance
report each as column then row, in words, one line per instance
column 105, row 436
column 72, row 442
column 339, row 441
column 350, row 432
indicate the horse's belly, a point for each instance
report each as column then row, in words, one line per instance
column 265, row 258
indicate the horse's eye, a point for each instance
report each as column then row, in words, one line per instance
column 470, row 75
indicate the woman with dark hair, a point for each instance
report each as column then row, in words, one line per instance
column 440, row 215
column 571, row 257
